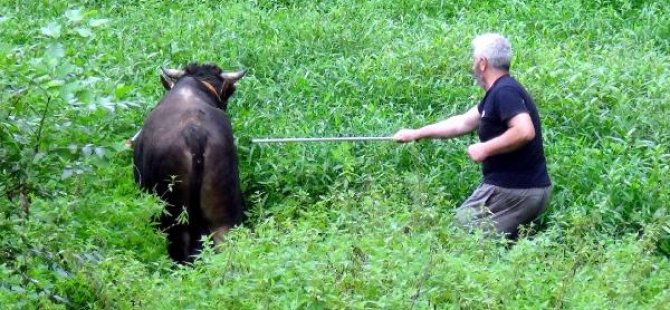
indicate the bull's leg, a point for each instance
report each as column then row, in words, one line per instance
column 179, row 237
column 220, row 220
column 184, row 240
column 221, row 200
column 178, row 243
column 218, row 233
column 197, row 231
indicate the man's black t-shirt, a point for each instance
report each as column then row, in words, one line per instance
column 524, row 167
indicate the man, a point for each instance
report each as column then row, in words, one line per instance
column 516, row 187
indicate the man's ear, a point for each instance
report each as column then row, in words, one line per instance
column 483, row 64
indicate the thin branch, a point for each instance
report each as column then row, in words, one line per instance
column 425, row 274
column 25, row 202
column 39, row 129
column 16, row 96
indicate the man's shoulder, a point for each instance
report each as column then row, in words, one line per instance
column 509, row 89
column 506, row 93
column 507, row 83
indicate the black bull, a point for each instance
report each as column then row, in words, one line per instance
column 186, row 155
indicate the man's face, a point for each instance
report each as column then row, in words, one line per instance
column 478, row 68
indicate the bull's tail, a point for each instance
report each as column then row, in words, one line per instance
column 196, row 140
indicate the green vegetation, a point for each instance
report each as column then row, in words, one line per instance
column 366, row 225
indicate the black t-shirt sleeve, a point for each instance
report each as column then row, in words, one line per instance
column 509, row 103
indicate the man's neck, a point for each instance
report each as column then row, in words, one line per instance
column 493, row 76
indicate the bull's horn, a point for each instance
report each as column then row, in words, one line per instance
column 173, row 73
column 233, row 75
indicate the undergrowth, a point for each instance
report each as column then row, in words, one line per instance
column 349, row 225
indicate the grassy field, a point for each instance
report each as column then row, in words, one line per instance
column 334, row 225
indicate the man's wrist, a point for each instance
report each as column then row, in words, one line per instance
column 486, row 149
column 418, row 134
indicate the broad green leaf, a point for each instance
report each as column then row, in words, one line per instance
column 5, row 48
column 91, row 81
column 65, row 68
column 87, row 150
column 74, row 15
column 54, row 83
column 84, row 32
column 72, row 148
column 100, row 151
column 55, row 51
column 85, row 95
column 107, row 103
column 98, row 22
column 18, row 289
column 53, row 29
column 67, row 172
column 122, row 90
column 38, row 157
column 36, row 63
column 50, row 62
column 53, row 54
column 68, row 91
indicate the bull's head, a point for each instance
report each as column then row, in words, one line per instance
column 222, row 83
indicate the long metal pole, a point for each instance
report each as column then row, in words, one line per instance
column 327, row 139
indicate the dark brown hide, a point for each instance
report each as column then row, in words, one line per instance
column 186, row 155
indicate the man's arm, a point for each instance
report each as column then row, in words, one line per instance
column 519, row 132
column 452, row 127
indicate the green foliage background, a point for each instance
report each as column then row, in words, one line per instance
column 347, row 225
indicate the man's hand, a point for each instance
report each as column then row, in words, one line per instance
column 478, row 152
column 405, row 135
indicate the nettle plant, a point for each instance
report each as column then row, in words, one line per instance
column 55, row 113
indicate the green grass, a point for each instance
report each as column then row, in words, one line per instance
column 346, row 225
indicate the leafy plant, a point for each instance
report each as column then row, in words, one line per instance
column 351, row 225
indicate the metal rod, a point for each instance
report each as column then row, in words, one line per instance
column 131, row 142
column 328, row 139
column 137, row 134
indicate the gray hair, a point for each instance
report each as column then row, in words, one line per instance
column 495, row 48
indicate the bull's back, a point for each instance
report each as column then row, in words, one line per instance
column 177, row 133
column 172, row 136
column 160, row 164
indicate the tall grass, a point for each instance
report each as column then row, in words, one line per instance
column 348, row 225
